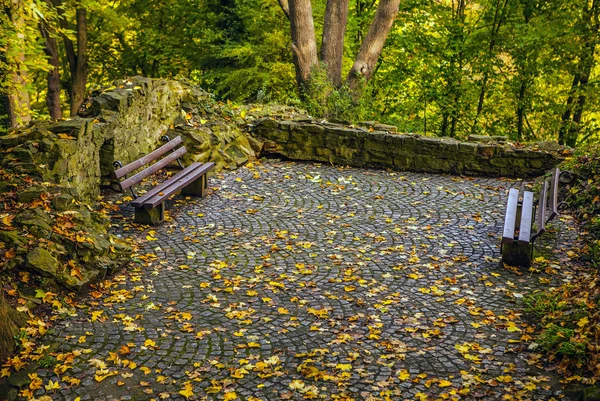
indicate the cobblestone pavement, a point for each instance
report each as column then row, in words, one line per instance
column 303, row 281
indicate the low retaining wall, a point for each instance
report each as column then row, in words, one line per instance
column 338, row 144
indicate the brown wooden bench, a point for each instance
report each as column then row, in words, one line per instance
column 519, row 234
column 191, row 180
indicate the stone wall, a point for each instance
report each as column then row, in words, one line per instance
column 343, row 145
column 122, row 122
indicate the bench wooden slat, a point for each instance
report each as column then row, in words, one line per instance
column 526, row 218
column 176, row 184
column 553, row 195
column 511, row 216
column 138, row 202
column 540, row 221
column 134, row 179
column 147, row 158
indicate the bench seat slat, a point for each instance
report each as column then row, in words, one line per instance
column 511, row 216
column 553, row 201
column 138, row 202
column 526, row 218
column 134, row 179
column 540, row 220
column 150, row 157
column 176, row 184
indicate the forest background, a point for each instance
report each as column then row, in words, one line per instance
column 522, row 68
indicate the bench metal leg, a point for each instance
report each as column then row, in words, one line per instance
column 150, row 216
column 196, row 188
column 516, row 254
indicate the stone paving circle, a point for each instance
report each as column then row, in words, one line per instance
column 309, row 281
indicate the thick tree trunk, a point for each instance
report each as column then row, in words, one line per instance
column 371, row 48
column 18, row 96
column 80, row 69
column 332, row 49
column 304, row 43
column 53, row 77
column 78, row 65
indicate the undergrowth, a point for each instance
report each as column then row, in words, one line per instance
column 569, row 315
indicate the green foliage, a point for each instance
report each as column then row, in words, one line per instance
column 559, row 319
column 47, row 361
column 584, row 194
column 561, row 340
column 322, row 99
column 448, row 68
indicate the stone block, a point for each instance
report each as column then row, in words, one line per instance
column 32, row 193
column 42, row 261
column 347, row 154
column 428, row 146
column 467, row 149
column 276, row 135
column 346, row 139
column 403, row 162
column 376, row 142
column 394, row 141
column 378, row 158
column 307, row 138
column 486, row 151
column 431, row 164
column 62, row 202
column 385, row 127
column 487, row 138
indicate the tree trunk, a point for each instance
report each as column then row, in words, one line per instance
column 495, row 30
column 80, row 69
column 332, row 49
column 78, row 65
column 371, row 48
column 53, row 77
column 521, row 110
column 566, row 117
column 18, row 96
column 304, row 43
column 569, row 130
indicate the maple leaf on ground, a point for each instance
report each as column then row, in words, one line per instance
column 187, row 390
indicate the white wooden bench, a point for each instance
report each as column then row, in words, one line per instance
column 519, row 234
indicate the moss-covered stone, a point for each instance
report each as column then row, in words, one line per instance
column 63, row 202
column 42, row 262
column 12, row 238
column 29, row 194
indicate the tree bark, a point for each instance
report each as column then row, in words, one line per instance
column 304, row 43
column 494, row 31
column 371, row 48
column 53, row 77
column 570, row 128
column 78, row 65
column 521, row 110
column 566, row 117
column 332, row 49
column 80, row 69
column 285, row 6
column 18, row 96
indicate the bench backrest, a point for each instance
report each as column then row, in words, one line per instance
column 540, row 218
column 553, row 201
column 149, row 158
